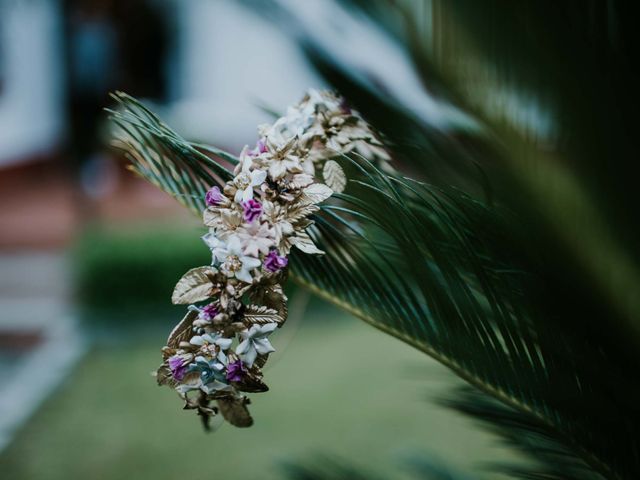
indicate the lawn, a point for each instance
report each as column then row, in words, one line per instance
column 338, row 388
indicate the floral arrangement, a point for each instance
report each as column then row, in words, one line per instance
column 254, row 222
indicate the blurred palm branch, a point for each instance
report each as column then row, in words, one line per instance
column 510, row 254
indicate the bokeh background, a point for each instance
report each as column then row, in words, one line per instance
column 89, row 255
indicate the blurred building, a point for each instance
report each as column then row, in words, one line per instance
column 32, row 119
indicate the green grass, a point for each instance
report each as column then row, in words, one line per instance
column 338, row 387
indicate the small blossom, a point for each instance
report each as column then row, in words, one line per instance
column 212, row 375
column 256, row 238
column 208, row 312
column 252, row 210
column 246, row 180
column 215, row 345
column 234, row 262
column 274, row 262
column 261, row 147
column 236, row 371
column 223, row 221
column 178, row 367
column 213, row 197
column 255, row 342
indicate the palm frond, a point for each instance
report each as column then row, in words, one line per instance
column 552, row 459
column 164, row 158
column 324, row 467
column 448, row 275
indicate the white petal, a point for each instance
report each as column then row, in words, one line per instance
column 244, row 275
column 234, row 246
column 253, row 331
column 250, row 262
column 247, row 194
column 211, row 241
column 238, row 196
column 250, row 357
column 243, row 347
column 277, row 169
column 197, row 340
column 308, row 167
column 258, row 177
column 268, row 328
column 217, row 366
column 222, row 357
column 224, row 343
column 263, row 346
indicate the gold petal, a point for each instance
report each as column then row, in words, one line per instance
column 194, row 286
column 315, row 193
column 182, row 332
column 260, row 315
column 334, row 176
column 303, row 241
column 234, row 410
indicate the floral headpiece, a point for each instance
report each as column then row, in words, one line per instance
column 254, row 222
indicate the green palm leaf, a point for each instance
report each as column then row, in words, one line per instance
column 446, row 274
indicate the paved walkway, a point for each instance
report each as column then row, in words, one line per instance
column 40, row 341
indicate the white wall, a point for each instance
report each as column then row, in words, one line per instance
column 31, row 99
column 228, row 60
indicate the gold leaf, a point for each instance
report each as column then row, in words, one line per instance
column 303, row 241
column 252, row 383
column 194, row 286
column 163, row 376
column 210, row 217
column 334, row 176
column 235, row 411
column 298, row 212
column 182, row 332
column 260, row 315
column 315, row 193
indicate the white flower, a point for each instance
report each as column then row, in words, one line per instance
column 256, row 238
column 247, row 179
column 224, row 221
column 254, row 342
column 234, row 263
column 223, row 344
column 276, row 216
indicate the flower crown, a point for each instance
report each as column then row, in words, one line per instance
column 254, row 222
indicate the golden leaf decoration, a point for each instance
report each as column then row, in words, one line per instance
column 252, row 382
column 209, row 217
column 163, row 376
column 235, row 411
column 182, row 331
column 300, row 212
column 303, row 241
column 260, row 315
column 194, row 286
column 315, row 193
column 334, row 176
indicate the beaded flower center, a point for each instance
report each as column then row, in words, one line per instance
column 242, row 180
column 233, row 264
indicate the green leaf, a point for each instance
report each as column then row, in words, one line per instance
column 448, row 275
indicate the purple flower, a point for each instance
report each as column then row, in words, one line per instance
column 261, row 147
column 178, row 367
column 236, row 371
column 252, row 210
column 274, row 262
column 213, row 197
column 208, row 312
